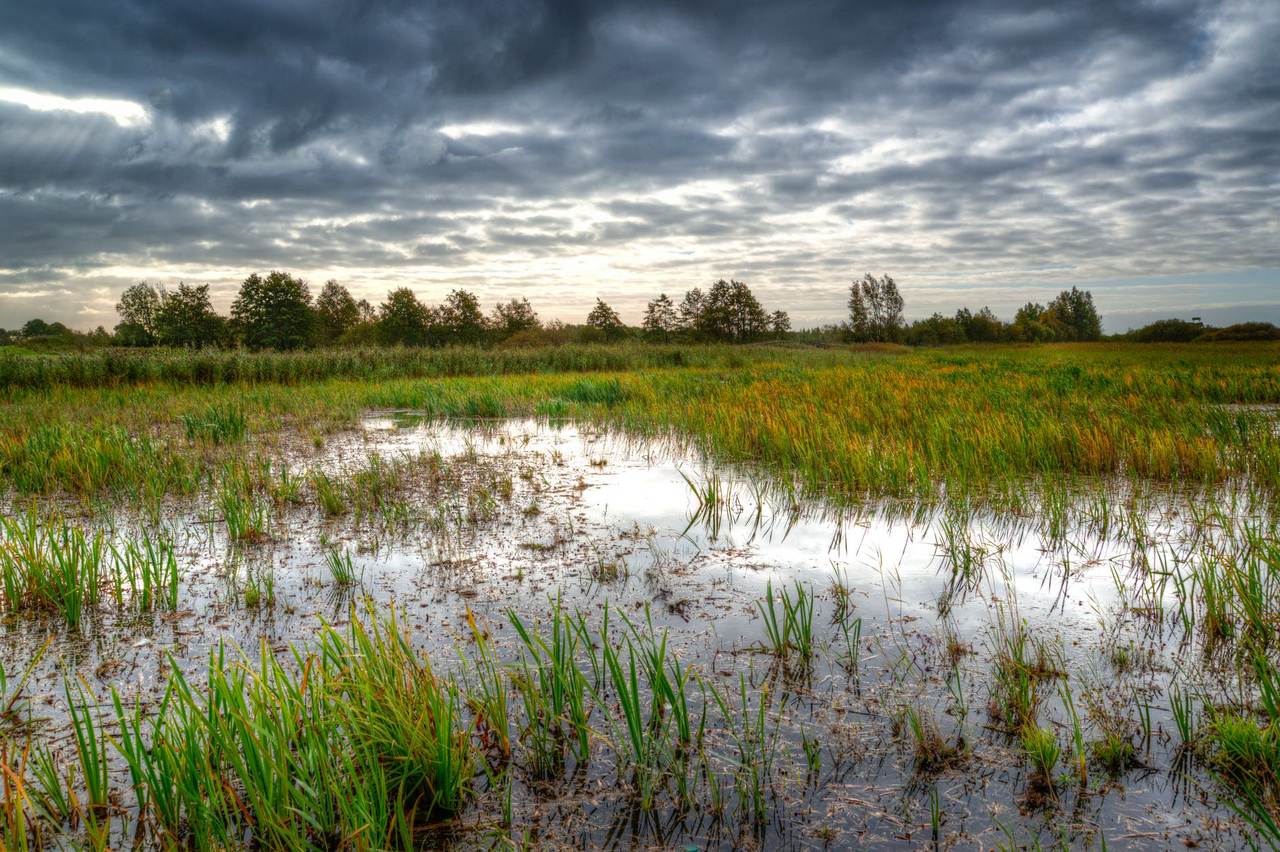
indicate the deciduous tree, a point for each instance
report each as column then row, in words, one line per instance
column 513, row 317
column 606, row 320
column 460, row 319
column 138, row 307
column 1029, row 325
column 1075, row 311
column 690, row 310
column 779, row 324
column 273, row 312
column 660, row 319
column 186, row 318
column 336, row 311
column 403, row 320
column 731, row 313
column 875, row 310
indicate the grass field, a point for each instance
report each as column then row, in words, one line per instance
column 643, row 596
column 848, row 424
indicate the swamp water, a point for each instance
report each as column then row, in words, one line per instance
column 894, row 733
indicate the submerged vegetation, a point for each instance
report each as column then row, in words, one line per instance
column 1051, row 573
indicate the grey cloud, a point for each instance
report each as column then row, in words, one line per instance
column 498, row 142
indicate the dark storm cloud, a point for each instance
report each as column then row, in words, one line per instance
column 635, row 147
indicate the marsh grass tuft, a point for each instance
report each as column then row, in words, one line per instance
column 358, row 741
column 217, row 424
column 1113, row 752
column 246, row 516
column 49, row 564
column 341, row 567
column 147, row 566
column 1042, row 749
column 329, row 494
column 788, row 622
column 1022, row 667
column 755, row 742
column 931, row 752
column 554, row 694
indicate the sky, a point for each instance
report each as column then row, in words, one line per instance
column 982, row 153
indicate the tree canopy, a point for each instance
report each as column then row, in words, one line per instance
column 138, row 308
column 336, row 311
column 513, row 317
column 605, row 320
column 661, row 322
column 459, row 318
column 403, row 320
column 731, row 313
column 186, row 318
column 1075, row 316
column 273, row 312
column 276, row 311
column 875, row 310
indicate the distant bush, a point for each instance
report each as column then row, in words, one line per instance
column 937, row 330
column 1182, row 331
column 550, row 335
column 1167, row 331
column 1243, row 331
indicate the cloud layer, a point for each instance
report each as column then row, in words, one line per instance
column 981, row 152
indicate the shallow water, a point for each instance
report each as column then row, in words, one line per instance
column 619, row 521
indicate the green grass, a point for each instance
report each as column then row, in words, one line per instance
column 356, row 744
column 357, row 741
column 125, row 367
column 788, row 622
column 329, row 494
column 147, row 567
column 216, row 424
column 554, row 694
column 755, row 740
column 91, row 745
column 1113, row 753
column 341, row 568
column 842, row 422
column 1246, row 754
column 49, row 565
column 1023, row 668
column 247, row 517
column 1042, row 749
column 931, row 752
column 13, row 703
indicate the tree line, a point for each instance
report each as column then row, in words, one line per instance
column 875, row 316
column 277, row 311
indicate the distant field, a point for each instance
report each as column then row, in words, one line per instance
column 845, row 422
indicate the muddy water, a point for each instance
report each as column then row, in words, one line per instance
column 556, row 510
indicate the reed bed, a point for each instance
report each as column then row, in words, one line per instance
column 844, row 424
column 124, row 367
column 358, row 741
column 48, row 564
